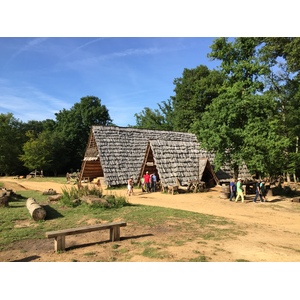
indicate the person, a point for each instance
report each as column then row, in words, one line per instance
column 153, row 182
column 262, row 190
column 239, row 190
column 147, row 181
column 143, row 185
column 68, row 177
column 130, row 186
column 258, row 192
column 232, row 187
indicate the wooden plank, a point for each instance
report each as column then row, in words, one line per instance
column 70, row 231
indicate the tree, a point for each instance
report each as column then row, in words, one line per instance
column 11, row 140
column 157, row 119
column 283, row 80
column 73, row 128
column 239, row 104
column 37, row 151
column 193, row 92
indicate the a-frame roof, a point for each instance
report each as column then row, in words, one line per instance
column 177, row 160
column 121, row 150
column 118, row 153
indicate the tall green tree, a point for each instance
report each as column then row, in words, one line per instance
column 11, row 141
column 157, row 119
column 240, row 103
column 73, row 128
column 283, row 80
column 37, row 151
column 193, row 92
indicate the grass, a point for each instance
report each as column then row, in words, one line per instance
column 61, row 180
column 182, row 226
column 156, row 253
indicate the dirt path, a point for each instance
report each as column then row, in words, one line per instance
column 273, row 228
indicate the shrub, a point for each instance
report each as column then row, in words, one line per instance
column 72, row 197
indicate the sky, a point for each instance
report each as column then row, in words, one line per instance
column 52, row 53
column 40, row 76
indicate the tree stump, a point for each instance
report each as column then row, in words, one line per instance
column 225, row 193
column 36, row 211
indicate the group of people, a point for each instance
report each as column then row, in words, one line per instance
column 236, row 190
column 148, row 182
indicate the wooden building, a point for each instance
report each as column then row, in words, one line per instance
column 116, row 153
column 171, row 160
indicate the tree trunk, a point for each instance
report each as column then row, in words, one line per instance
column 288, row 177
column 295, row 178
column 235, row 171
column 36, row 211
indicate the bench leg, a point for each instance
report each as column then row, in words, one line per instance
column 59, row 243
column 114, row 233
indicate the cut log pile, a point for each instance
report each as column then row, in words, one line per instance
column 36, row 211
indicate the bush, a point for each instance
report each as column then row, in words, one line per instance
column 116, row 202
column 72, row 197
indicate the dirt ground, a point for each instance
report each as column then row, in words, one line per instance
column 271, row 230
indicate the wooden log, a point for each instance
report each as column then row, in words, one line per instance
column 295, row 199
column 36, row 211
column 55, row 197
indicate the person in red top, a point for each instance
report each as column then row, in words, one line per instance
column 147, row 181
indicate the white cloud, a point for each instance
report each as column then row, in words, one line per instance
column 28, row 103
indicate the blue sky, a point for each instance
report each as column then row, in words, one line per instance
column 41, row 76
column 126, row 54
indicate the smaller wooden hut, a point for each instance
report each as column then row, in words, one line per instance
column 177, row 160
column 207, row 173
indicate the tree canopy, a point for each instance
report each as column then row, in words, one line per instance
column 246, row 110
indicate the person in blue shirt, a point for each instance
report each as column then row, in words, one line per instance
column 153, row 182
column 232, row 187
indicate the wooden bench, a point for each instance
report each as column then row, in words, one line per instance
column 59, row 235
column 182, row 187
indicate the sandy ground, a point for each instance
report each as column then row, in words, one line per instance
column 272, row 228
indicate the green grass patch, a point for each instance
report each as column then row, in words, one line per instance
column 89, row 254
column 181, row 226
column 154, row 253
column 61, row 180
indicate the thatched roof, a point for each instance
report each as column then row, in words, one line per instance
column 117, row 153
column 120, row 150
column 176, row 160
